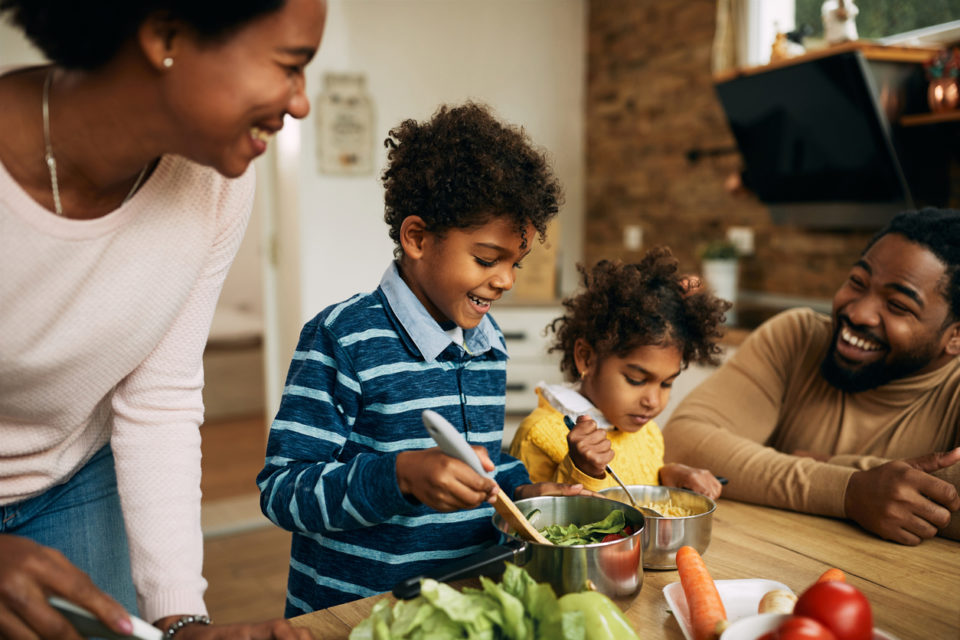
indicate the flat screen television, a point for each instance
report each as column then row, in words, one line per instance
column 816, row 143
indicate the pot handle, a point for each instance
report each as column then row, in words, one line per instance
column 486, row 561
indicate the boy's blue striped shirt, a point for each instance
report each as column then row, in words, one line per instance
column 363, row 372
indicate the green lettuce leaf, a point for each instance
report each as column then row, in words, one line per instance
column 516, row 608
column 588, row 533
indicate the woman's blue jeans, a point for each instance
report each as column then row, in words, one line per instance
column 82, row 519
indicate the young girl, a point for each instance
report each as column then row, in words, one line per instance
column 625, row 338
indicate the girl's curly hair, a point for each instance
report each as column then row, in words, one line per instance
column 626, row 306
column 462, row 168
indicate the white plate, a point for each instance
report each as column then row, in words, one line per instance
column 740, row 599
column 753, row 627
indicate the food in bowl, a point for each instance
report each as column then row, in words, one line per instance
column 662, row 536
column 613, row 568
column 666, row 509
column 615, row 524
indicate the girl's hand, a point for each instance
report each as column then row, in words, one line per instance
column 589, row 447
column 278, row 629
column 442, row 482
column 679, row 475
column 551, row 489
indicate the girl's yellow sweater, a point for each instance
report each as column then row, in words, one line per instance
column 541, row 444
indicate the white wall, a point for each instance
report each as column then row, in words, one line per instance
column 525, row 58
column 15, row 49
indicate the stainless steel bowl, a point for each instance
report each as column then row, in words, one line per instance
column 612, row 568
column 663, row 536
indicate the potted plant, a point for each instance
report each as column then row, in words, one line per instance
column 720, row 265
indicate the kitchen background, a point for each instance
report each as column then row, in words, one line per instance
column 620, row 92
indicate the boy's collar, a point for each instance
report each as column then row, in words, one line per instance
column 567, row 399
column 426, row 333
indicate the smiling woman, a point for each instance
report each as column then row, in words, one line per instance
column 125, row 188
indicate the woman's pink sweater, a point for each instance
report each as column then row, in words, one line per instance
column 103, row 323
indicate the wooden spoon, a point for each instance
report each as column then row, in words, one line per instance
column 452, row 443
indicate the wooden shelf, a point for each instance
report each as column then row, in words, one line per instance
column 918, row 119
column 869, row 50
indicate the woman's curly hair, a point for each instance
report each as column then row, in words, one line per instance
column 87, row 35
column 626, row 306
column 461, row 169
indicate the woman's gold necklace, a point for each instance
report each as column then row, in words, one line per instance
column 52, row 163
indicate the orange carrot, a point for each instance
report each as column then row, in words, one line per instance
column 703, row 599
column 832, row 574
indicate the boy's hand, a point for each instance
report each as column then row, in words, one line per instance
column 442, row 482
column 589, row 447
column 551, row 489
column 679, row 475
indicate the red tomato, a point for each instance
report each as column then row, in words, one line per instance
column 839, row 606
column 612, row 536
column 802, row 628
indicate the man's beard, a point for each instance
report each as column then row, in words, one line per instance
column 873, row 375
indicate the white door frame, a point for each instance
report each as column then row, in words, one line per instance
column 278, row 188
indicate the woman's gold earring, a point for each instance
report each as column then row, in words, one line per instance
column 167, row 62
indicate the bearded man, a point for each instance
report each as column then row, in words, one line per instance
column 852, row 416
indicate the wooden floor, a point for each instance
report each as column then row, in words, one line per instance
column 246, row 570
column 233, row 451
column 247, row 574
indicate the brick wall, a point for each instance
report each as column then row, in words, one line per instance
column 650, row 99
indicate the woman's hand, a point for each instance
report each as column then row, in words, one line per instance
column 679, row 475
column 278, row 629
column 590, row 450
column 443, row 482
column 29, row 572
column 551, row 489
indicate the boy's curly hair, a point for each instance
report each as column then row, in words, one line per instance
column 462, row 168
column 626, row 306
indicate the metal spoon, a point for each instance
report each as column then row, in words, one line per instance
column 647, row 511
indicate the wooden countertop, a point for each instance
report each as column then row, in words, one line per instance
column 912, row 590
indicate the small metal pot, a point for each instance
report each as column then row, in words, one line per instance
column 663, row 536
column 613, row 568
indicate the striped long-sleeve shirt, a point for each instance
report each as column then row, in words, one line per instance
column 363, row 372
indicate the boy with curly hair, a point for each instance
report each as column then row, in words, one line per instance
column 350, row 469
column 625, row 338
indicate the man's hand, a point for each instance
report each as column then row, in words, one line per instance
column 589, row 447
column 29, row 572
column 442, row 482
column 901, row 501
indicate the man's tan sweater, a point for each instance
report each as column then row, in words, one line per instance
column 769, row 398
